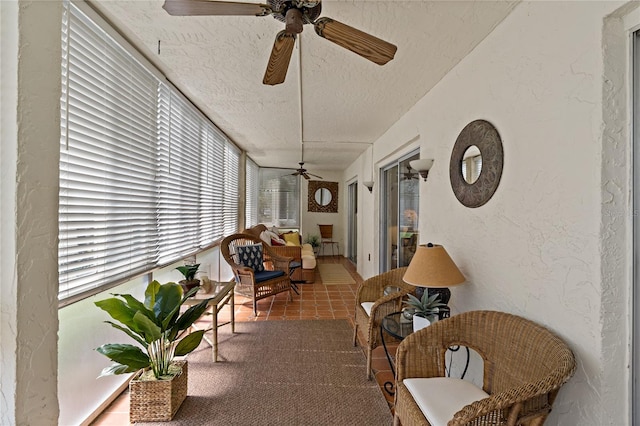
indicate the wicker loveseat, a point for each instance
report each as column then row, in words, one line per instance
column 372, row 305
column 257, row 285
column 524, row 367
column 302, row 254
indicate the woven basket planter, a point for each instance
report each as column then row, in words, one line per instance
column 157, row 400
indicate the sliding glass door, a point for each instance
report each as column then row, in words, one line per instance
column 399, row 213
column 352, row 242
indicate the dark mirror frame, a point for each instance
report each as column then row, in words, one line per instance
column 485, row 136
column 313, row 206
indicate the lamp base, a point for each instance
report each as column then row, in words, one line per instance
column 444, row 292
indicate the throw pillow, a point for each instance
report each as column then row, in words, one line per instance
column 292, row 237
column 251, row 256
column 273, row 236
column 277, row 242
column 266, row 237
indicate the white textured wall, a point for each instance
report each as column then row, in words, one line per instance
column 30, row 147
column 542, row 246
column 8, row 152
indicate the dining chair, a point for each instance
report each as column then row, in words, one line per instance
column 326, row 237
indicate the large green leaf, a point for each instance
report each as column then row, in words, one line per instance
column 117, row 369
column 189, row 343
column 137, row 305
column 130, row 333
column 167, row 302
column 129, row 355
column 190, row 293
column 119, row 311
column 149, row 328
column 191, row 315
column 150, row 294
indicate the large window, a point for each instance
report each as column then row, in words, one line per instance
column 279, row 198
column 145, row 178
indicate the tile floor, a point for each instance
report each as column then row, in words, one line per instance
column 315, row 301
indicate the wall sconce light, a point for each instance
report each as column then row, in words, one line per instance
column 369, row 185
column 423, row 166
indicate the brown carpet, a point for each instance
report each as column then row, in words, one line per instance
column 334, row 273
column 282, row 373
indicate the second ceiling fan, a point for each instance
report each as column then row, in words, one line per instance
column 303, row 172
column 294, row 13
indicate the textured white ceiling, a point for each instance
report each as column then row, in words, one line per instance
column 347, row 101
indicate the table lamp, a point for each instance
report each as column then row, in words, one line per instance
column 432, row 268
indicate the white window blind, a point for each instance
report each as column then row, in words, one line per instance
column 145, row 177
column 251, row 193
column 279, row 198
column 179, row 176
column 231, row 181
column 107, row 163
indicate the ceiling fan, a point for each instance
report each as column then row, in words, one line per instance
column 303, row 172
column 294, row 13
column 409, row 175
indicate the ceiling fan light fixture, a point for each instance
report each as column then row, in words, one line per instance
column 293, row 21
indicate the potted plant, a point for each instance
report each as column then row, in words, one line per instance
column 160, row 383
column 424, row 310
column 314, row 240
column 189, row 272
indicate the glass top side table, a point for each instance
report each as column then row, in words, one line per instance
column 397, row 326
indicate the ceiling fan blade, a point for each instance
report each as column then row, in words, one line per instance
column 365, row 45
column 279, row 60
column 311, row 174
column 306, row 176
column 206, row 7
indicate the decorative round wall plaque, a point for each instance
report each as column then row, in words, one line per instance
column 323, row 196
column 476, row 163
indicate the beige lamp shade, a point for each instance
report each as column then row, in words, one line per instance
column 431, row 266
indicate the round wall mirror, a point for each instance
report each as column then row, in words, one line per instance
column 323, row 196
column 471, row 164
column 476, row 163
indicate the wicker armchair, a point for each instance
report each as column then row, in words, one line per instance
column 371, row 293
column 524, row 367
column 250, row 284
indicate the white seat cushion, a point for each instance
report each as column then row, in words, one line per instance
column 440, row 398
column 308, row 257
column 308, row 261
column 367, row 307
